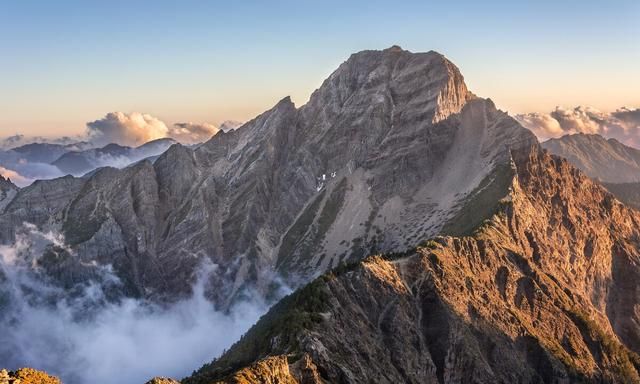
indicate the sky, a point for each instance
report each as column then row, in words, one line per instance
column 66, row 63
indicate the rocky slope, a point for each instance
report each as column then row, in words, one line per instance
column 607, row 160
column 387, row 151
column 546, row 290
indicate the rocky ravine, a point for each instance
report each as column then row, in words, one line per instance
column 546, row 290
column 386, row 152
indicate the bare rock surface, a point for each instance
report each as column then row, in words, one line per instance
column 27, row 376
column 162, row 380
column 544, row 291
column 386, row 152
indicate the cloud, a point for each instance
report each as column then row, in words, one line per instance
column 23, row 172
column 15, row 177
column 126, row 129
column 18, row 140
column 131, row 129
column 85, row 338
column 622, row 124
column 192, row 133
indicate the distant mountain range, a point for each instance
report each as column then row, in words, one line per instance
column 78, row 163
column 41, row 161
column 606, row 160
column 614, row 164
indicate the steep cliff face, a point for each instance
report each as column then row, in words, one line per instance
column 544, row 291
column 387, row 151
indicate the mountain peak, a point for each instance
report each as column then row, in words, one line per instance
column 426, row 82
column 394, row 48
column 285, row 101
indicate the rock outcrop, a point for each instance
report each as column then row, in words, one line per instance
column 547, row 290
column 27, row 376
column 386, row 152
column 276, row 370
column 162, row 380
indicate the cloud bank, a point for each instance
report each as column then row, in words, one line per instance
column 131, row 129
column 15, row 177
column 23, row 172
column 84, row 338
column 192, row 133
column 18, row 140
column 622, row 124
column 125, row 129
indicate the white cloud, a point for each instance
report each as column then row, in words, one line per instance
column 81, row 336
column 15, row 177
column 192, row 133
column 131, row 129
column 18, row 140
column 622, row 124
column 23, row 172
column 126, row 129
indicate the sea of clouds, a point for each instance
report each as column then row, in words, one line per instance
column 622, row 124
column 83, row 337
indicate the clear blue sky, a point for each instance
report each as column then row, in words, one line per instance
column 63, row 63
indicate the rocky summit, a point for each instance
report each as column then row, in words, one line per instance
column 390, row 150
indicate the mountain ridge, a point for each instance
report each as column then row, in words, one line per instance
column 500, row 305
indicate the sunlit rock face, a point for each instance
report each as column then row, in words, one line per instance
column 386, row 152
column 27, row 376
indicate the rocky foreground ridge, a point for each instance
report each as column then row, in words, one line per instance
column 545, row 290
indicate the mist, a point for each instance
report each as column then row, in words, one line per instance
column 82, row 337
